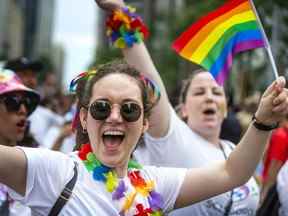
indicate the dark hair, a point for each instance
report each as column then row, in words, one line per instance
column 186, row 84
column 84, row 91
column 184, row 90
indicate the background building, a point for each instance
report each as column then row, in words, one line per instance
column 11, row 29
column 26, row 29
column 44, row 27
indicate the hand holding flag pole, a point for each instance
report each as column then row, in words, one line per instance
column 216, row 38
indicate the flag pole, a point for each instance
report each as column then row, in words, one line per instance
column 267, row 44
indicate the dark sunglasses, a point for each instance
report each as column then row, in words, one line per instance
column 14, row 102
column 101, row 110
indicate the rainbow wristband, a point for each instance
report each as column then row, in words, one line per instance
column 125, row 27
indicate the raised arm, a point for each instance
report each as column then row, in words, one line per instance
column 139, row 57
column 13, row 168
column 203, row 183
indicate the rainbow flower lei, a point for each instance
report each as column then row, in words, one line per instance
column 118, row 188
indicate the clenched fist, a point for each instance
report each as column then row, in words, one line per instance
column 110, row 5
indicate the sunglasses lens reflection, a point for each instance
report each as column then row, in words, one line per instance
column 130, row 111
column 13, row 103
column 101, row 110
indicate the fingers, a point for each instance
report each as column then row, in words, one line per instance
column 276, row 87
column 282, row 95
column 274, row 102
column 110, row 5
column 280, row 102
column 280, row 108
column 280, row 84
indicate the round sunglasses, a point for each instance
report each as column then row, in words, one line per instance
column 14, row 102
column 101, row 110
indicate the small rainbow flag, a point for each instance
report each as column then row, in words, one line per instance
column 213, row 40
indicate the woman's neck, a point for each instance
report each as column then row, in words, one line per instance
column 121, row 171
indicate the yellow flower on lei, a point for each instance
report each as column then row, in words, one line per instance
column 129, row 201
column 111, row 181
column 144, row 191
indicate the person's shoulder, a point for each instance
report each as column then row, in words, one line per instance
column 74, row 156
column 44, row 154
column 177, row 128
column 149, row 168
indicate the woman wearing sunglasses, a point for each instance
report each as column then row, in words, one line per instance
column 17, row 102
column 114, row 105
column 191, row 141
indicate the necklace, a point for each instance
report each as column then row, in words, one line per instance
column 118, row 188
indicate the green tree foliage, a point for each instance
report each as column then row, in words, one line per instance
column 104, row 55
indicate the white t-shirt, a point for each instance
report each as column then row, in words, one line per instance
column 282, row 188
column 182, row 147
column 51, row 136
column 41, row 120
column 49, row 171
column 15, row 208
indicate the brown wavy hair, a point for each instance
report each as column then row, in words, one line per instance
column 84, row 91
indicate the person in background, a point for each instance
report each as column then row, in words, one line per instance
column 275, row 156
column 49, row 87
column 27, row 70
column 17, row 102
column 43, row 118
column 61, row 138
column 282, row 189
column 193, row 141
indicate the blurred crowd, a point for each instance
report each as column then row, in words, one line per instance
column 49, row 125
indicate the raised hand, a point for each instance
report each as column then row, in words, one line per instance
column 110, row 5
column 273, row 106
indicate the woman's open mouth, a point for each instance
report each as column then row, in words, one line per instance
column 112, row 139
column 21, row 125
column 209, row 111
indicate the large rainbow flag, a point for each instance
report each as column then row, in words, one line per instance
column 217, row 37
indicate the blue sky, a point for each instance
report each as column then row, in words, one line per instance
column 75, row 30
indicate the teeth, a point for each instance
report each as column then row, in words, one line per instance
column 114, row 133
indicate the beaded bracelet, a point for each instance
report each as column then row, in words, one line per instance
column 125, row 27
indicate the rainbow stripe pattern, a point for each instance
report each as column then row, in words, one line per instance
column 213, row 40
